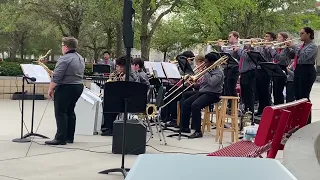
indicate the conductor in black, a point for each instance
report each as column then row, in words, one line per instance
column 66, row 87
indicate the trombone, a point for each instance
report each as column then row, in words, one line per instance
column 186, row 78
column 194, row 78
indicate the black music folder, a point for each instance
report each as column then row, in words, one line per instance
column 101, row 68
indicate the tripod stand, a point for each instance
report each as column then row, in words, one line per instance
column 22, row 138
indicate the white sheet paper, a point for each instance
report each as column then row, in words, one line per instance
column 36, row 71
column 156, row 66
column 171, row 70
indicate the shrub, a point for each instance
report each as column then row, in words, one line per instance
column 13, row 68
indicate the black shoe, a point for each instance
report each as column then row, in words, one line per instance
column 171, row 124
column 55, row 142
column 196, row 135
column 107, row 133
column 69, row 141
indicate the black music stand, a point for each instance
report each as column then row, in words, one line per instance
column 23, row 138
column 186, row 69
column 120, row 100
column 101, row 68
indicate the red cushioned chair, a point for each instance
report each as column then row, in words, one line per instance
column 275, row 123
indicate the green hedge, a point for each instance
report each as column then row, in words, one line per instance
column 14, row 69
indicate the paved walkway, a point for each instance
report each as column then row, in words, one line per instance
column 88, row 155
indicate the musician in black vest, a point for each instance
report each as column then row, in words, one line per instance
column 304, row 61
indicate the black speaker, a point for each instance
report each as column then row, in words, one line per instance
column 136, row 137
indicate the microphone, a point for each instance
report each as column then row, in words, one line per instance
column 33, row 79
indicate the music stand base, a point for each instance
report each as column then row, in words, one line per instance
column 122, row 170
column 35, row 134
column 182, row 135
column 21, row 140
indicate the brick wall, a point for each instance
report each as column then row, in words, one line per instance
column 10, row 85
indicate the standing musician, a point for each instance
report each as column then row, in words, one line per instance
column 304, row 61
column 109, row 118
column 106, row 60
column 66, row 87
column 137, row 64
column 262, row 79
column 282, row 57
column 231, row 71
column 170, row 112
column 211, row 87
column 247, row 79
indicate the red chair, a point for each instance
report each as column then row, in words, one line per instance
column 275, row 122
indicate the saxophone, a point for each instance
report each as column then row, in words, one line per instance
column 43, row 65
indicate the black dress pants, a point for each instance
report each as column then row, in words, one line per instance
column 278, row 87
column 304, row 77
column 263, row 88
column 231, row 76
column 108, row 119
column 65, row 99
column 290, row 92
column 193, row 102
column 247, row 84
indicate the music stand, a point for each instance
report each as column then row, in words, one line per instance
column 33, row 74
column 257, row 59
column 101, row 68
column 120, row 100
column 186, row 69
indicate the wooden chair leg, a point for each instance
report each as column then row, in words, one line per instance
column 222, row 118
column 178, row 113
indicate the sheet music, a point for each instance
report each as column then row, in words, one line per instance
column 36, row 71
column 156, row 66
column 171, row 70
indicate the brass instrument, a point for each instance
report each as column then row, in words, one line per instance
column 173, row 61
column 194, row 78
column 115, row 76
column 186, row 78
column 43, row 65
column 151, row 110
column 262, row 43
column 283, row 44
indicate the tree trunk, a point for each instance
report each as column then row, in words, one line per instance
column 145, row 47
column 164, row 56
column 119, row 50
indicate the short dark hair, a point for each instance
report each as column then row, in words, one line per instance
column 212, row 57
column 138, row 61
column 121, row 61
column 70, row 42
column 106, row 52
column 188, row 54
column 273, row 35
column 310, row 31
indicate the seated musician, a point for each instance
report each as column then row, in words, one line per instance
column 109, row 118
column 137, row 64
column 169, row 113
column 211, row 86
column 107, row 60
column 173, row 110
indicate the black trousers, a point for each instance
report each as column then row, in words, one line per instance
column 278, row 86
column 193, row 102
column 247, row 84
column 290, row 92
column 304, row 77
column 108, row 119
column 231, row 76
column 65, row 99
column 263, row 88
